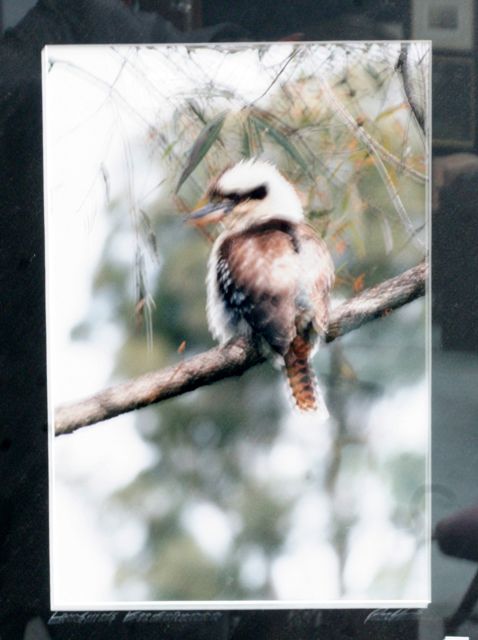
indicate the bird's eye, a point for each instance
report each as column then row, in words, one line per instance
column 258, row 194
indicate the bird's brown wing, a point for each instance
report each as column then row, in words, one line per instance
column 318, row 274
column 257, row 277
column 276, row 276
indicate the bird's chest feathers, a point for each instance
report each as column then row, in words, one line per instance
column 258, row 279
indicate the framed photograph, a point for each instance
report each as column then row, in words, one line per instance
column 201, row 455
column 448, row 23
column 96, row 500
column 454, row 102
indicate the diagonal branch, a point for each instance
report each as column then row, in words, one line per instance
column 234, row 358
column 411, row 88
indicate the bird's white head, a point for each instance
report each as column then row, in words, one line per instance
column 249, row 192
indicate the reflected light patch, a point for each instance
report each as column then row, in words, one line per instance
column 309, row 573
column 215, row 538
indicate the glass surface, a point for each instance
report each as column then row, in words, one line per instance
column 229, row 494
column 23, row 445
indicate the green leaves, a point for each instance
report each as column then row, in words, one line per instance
column 148, row 234
column 205, row 140
column 279, row 135
column 257, row 125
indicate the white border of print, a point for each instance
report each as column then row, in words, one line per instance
column 59, row 605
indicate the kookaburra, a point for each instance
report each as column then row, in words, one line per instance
column 269, row 274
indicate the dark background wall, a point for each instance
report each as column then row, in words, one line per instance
column 24, row 569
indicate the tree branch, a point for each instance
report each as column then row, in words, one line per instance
column 403, row 66
column 232, row 359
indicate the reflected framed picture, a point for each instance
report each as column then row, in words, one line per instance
column 238, row 326
column 448, row 23
column 454, row 102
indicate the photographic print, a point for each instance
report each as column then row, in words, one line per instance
column 238, row 324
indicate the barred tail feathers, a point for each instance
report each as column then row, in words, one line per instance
column 302, row 379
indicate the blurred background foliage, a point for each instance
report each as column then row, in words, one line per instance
column 245, row 499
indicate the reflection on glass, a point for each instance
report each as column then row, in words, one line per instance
column 226, row 493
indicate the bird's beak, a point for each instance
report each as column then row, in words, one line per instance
column 209, row 212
